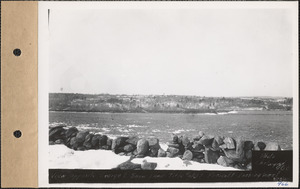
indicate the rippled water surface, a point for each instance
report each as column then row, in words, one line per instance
column 252, row 125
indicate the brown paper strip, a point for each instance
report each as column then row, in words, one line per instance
column 19, row 96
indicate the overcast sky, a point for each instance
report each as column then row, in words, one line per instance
column 182, row 52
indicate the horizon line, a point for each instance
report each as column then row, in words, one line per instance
column 261, row 96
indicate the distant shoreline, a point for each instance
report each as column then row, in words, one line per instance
column 142, row 112
column 162, row 104
column 204, row 113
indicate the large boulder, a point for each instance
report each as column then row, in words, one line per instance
column 118, row 142
column 103, row 140
column 259, row 146
column 225, row 161
column 142, row 146
column 148, row 166
column 121, row 141
column 185, row 141
column 88, row 137
column 188, row 155
column 74, row 144
column 132, row 140
column 153, row 147
column 215, row 146
column 73, row 141
column 238, row 154
column 95, row 141
column 88, row 141
column 206, row 140
column 128, row 165
column 56, row 133
column 211, row 156
column 229, row 143
column 161, row 153
column 198, row 150
column 80, row 137
column 216, row 143
column 182, row 148
column 272, row 146
column 248, row 145
column 129, row 148
column 71, row 132
column 172, row 152
column 67, row 142
column 153, row 143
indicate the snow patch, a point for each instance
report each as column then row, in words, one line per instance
column 61, row 157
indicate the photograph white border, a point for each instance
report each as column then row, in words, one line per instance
column 43, row 82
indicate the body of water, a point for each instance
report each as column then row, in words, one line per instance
column 269, row 126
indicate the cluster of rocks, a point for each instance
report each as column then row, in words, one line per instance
column 85, row 140
column 225, row 151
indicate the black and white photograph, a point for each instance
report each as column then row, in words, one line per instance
column 170, row 88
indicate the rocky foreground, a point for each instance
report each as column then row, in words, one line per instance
column 225, row 151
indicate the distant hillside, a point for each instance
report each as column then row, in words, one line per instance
column 162, row 103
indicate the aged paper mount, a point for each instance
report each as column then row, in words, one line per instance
column 25, row 104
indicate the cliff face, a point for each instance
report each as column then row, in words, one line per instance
column 161, row 103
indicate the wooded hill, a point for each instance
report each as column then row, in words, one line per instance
column 162, row 103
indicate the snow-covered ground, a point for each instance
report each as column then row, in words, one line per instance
column 62, row 157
